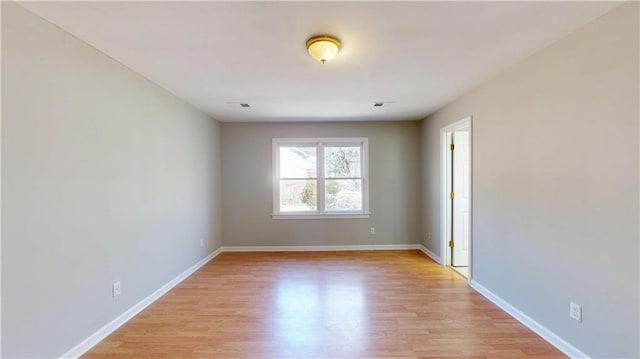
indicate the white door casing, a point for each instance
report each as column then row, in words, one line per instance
column 446, row 187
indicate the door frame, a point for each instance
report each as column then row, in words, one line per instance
column 445, row 185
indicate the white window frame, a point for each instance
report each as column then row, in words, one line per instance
column 320, row 144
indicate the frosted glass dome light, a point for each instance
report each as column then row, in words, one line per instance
column 323, row 48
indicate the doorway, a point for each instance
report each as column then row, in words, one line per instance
column 456, row 196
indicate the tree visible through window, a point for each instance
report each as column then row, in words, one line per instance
column 343, row 178
column 319, row 177
column 298, row 178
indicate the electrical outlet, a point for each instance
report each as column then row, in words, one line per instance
column 201, row 242
column 575, row 311
column 117, row 290
column 373, row 230
column 428, row 235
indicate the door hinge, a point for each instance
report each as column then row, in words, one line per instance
column 451, row 195
column 451, row 146
column 451, row 243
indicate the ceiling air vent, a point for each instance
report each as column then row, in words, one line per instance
column 242, row 104
column 382, row 103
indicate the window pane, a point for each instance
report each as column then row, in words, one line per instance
column 298, row 195
column 342, row 162
column 343, row 195
column 297, row 162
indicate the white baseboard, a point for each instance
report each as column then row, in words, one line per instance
column 374, row 247
column 430, row 254
column 103, row 332
column 538, row 328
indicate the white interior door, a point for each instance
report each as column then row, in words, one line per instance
column 461, row 187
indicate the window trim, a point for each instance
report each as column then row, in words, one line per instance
column 320, row 144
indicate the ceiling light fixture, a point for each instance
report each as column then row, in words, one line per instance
column 323, row 48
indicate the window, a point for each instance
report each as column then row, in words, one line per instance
column 320, row 178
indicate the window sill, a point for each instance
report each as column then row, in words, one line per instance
column 322, row 216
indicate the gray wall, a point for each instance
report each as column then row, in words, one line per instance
column 105, row 176
column 394, row 153
column 555, row 184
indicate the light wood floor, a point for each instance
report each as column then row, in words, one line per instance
column 374, row 304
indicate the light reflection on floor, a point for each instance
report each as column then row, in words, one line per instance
column 314, row 311
column 463, row 271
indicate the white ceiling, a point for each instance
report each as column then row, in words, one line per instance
column 420, row 55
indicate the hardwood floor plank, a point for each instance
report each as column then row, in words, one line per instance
column 356, row 304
